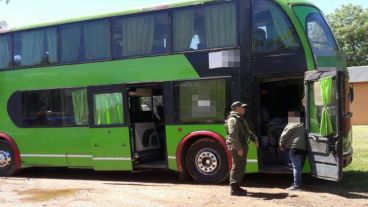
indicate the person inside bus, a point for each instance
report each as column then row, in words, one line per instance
column 293, row 140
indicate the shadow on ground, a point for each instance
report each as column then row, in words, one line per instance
column 354, row 185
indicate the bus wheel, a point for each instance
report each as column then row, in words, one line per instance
column 7, row 159
column 207, row 162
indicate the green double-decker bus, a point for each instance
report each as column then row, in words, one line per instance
column 150, row 89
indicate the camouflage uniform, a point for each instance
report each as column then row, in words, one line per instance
column 238, row 138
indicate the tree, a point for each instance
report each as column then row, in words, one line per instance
column 3, row 23
column 350, row 26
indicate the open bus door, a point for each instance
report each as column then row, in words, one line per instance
column 324, row 118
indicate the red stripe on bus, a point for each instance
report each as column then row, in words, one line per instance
column 213, row 135
column 14, row 147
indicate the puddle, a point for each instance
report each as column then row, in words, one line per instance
column 40, row 195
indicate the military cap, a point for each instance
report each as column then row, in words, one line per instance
column 236, row 104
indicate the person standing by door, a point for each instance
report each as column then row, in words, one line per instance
column 294, row 141
column 237, row 140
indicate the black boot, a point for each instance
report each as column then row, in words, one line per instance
column 236, row 190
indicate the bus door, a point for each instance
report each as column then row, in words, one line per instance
column 109, row 132
column 324, row 118
column 147, row 126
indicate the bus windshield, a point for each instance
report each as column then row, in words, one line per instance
column 319, row 34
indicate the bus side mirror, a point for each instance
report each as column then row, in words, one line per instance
column 351, row 93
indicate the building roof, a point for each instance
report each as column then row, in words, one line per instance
column 358, row 74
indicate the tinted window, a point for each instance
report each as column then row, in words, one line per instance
column 209, row 27
column 96, row 36
column 5, row 51
column 202, row 101
column 71, row 43
column 85, row 41
column 35, row 47
column 108, row 109
column 272, row 29
column 320, row 36
column 56, row 107
column 141, row 35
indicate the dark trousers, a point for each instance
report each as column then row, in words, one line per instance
column 297, row 159
column 238, row 165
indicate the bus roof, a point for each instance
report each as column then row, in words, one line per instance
column 156, row 7
column 161, row 6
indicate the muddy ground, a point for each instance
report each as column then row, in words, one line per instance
column 85, row 188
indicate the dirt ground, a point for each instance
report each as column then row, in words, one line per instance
column 86, row 188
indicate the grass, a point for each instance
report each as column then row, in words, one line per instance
column 360, row 146
column 356, row 174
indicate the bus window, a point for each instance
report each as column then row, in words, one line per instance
column 141, row 35
column 35, row 47
column 85, row 41
column 272, row 30
column 108, row 109
column 5, row 51
column 56, row 107
column 202, row 101
column 96, row 36
column 201, row 28
column 320, row 36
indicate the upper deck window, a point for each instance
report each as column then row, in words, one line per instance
column 5, row 51
column 85, row 42
column 272, row 30
column 141, row 35
column 35, row 47
column 320, row 36
column 201, row 28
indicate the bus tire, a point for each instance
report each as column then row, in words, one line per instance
column 207, row 162
column 7, row 159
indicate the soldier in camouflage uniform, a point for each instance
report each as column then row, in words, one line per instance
column 237, row 141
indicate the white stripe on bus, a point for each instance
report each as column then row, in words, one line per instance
column 42, row 155
column 172, row 157
column 112, row 158
column 253, row 161
column 78, row 156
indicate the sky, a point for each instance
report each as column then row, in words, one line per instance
column 26, row 12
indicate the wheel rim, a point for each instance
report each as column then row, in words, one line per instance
column 207, row 161
column 5, row 158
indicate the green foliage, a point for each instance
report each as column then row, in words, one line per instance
column 3, row 24
column 350, row 26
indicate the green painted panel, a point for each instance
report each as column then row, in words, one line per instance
column 111, row 148
column 78, row 162
column 76, row 147
column 44, row 162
